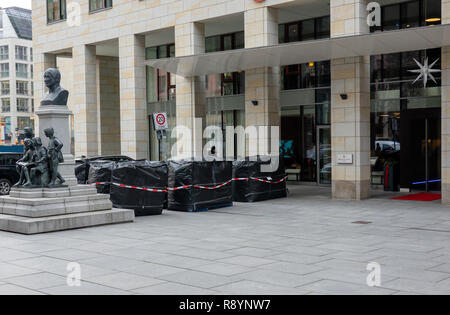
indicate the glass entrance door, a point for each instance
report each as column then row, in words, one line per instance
column 324, row 165
column 421, row 157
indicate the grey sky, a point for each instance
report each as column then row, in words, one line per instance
column 15, row 3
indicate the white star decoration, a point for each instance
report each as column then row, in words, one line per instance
column 425, row 71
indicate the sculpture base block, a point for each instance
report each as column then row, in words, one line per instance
column 29, row 226
column 43, row 210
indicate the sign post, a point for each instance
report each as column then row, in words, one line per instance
column 161, row 124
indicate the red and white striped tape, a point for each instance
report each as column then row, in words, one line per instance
column 214, row 187
column 268, row 180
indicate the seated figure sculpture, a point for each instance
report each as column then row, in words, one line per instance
column 25, row 163
column 56, row 94
column 40, row 173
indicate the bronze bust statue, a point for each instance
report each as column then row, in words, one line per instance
column 56, row 94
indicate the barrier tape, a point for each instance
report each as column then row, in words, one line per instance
column 268, row 180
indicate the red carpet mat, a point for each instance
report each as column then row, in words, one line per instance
column 420, row 197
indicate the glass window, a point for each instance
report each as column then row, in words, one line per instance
column 22, row 88
column 212, row 44
column 5, row 88
column 21, row 53
column 99, row 4
column 4, row 52
column 239, row 40
column 6, row 105
column 21, row 70
column 391, row 17
column 4, row 70
column 307, row 30
column 323, row 74
column 22, row 105
column 23, row 122
column 56, row 10
column 293, row 33
column 308, row 75
column 151, row 53
column 323, row 27
column 410, row 14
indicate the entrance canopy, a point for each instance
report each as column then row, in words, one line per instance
column 302, row 52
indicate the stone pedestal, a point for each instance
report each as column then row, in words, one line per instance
column 42, row 210
column 58, row 117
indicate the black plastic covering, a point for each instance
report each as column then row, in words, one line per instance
column 139, row 174
column 202, row 173
column 82, row 173
column 252, row 190
column 101, row 172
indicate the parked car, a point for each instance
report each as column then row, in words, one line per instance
column 82, row 165
column 8, row 172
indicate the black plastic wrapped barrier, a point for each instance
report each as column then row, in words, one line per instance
column 251, row 185
column 199, row 185
column 100, row 173
column 82, row 173
column 139, row 185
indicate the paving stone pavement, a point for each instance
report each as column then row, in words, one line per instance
column 305, row 244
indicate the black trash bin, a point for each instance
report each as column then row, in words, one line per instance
column 251, row 184
column 199, row 185
column 139, row 185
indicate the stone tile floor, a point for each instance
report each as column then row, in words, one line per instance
column 305, row 244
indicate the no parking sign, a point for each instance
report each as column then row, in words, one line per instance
column 160, row 121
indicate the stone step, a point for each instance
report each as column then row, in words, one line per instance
column 33, row 193
column 45, row 207
column 28, row 226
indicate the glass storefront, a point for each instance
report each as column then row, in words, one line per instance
column 405, row 121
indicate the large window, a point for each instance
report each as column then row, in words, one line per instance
column 4, row 52
column 23, row 122
column 22, row 105
column 21, row 70
column 21, row 88
column 4, row 70
column 304, row 76
column 56, row 10
column 225, row 42
column 6, row 105
column 95, row 5
column 161, row 85
column 315, row 28
column 4, row 88
column 409, row 14
column 21, row 53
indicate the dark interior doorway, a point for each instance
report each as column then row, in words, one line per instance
column 420, row 156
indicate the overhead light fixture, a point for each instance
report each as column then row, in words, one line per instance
column 431, row 20
column 311, row 64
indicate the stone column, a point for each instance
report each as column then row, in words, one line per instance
column 85, row 100
column 134, row 121
column 445, row 88
column 350, row 106
column 190, row 99
column 262, row 84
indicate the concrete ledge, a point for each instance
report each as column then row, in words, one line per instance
column 30, row 226
column 34, row 193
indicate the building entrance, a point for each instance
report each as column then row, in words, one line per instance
column 420, row 156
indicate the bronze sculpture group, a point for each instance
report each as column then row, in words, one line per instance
column 39, row 165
